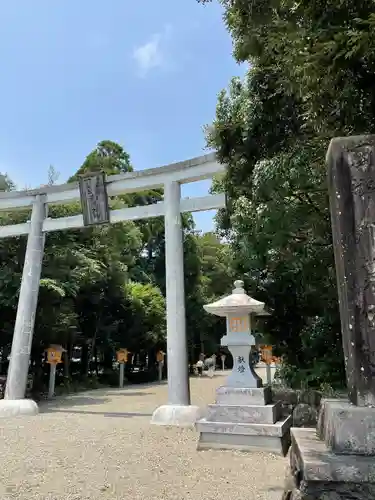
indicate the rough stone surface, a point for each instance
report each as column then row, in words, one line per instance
column 177, row 415
column 256, row 414
column 284, row 394
column 290, row 398
column 100, row 446
column 310, row 397
column 311, row 455
column 315, row 471
column 10, row 408
column 304, row 415
column 351, row 179
column 243, row 396
column 347, row 428
column 324, row 490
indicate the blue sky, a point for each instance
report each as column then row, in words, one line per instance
column 144, row 73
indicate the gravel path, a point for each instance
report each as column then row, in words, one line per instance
column 99, row 445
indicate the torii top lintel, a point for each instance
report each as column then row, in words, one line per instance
column 194, row 169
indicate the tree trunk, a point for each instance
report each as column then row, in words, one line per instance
column 84, row 359
column 151, row 358
column 4, row 358
column 191, row 358
column 67, row 355
column 38, row 372
column 96, row 364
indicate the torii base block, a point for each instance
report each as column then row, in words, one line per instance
column 17, row 407
column 176, row 415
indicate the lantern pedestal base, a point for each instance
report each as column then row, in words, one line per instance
column 245, row 419
column 177, row 415
column 243, row 395
column 272, row 438
column 16, row 407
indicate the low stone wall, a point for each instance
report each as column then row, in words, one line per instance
column 303, row 405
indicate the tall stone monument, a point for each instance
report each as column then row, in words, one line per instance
column 244, row 416
column 337, row 461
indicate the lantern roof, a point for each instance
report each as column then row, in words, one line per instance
column 55, row 347
column 238, row 302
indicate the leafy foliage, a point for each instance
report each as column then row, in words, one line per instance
column 311, row 65
column 323, row 52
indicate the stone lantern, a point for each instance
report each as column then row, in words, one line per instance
column 243, row 416
column 239, row 310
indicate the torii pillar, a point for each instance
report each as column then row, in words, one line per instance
column 15, row 402
column 178, row 411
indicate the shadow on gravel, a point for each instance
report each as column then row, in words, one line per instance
column 128, row 393
column 275, row 492
column 105, row 414
column 52, row 405
column 69, row 401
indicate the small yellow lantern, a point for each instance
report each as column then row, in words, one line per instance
column 122, row 355
column 54, row 354
column 160, row 356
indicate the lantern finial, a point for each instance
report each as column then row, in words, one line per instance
column 239, row 286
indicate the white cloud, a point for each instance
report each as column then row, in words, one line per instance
column 152, row 54
column 149, row 55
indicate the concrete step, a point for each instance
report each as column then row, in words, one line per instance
column 273, row 438
column 277, row 429
column 257, row 414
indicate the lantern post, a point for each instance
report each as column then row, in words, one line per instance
column 244, row 416
column 122, row 358
column 54, row 353
column 238, row 310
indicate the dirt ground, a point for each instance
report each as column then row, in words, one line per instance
column 100, row 445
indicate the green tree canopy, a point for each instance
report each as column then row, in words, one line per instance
column 308, row 79
column 323, row 52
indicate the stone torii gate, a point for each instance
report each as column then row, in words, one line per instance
column 93, row 191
